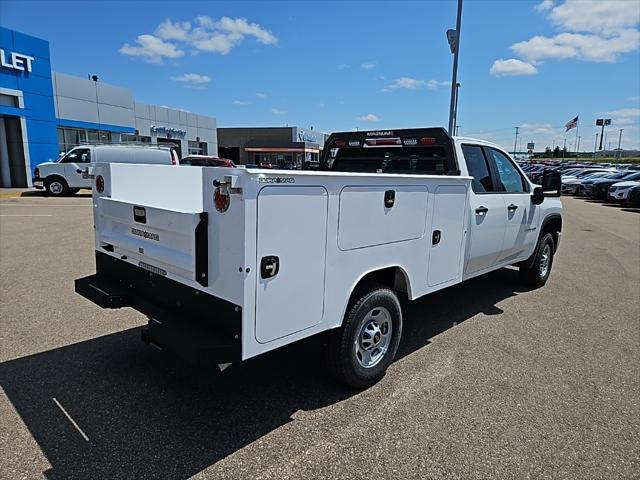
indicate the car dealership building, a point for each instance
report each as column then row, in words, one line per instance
column 43, row 113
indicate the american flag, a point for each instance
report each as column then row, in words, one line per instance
column 571, row 124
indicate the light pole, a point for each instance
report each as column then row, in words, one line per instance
column 453, row 36
column 619, row 153
column 515, row 143
column 595, row 147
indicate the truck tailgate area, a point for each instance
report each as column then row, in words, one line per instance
column 201, row 328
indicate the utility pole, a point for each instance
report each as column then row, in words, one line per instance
column 515, row 143
column 564, row 147
column 454, row 43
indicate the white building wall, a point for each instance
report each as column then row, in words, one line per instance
column 84, row 100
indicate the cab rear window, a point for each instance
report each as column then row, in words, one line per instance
column 424, row 160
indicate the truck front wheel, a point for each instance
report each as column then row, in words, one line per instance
column 359, row 352
column 56, row 187
column 535, row 273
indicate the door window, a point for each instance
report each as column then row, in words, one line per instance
column 82, row 155
column 510, row 178
column 478, row 169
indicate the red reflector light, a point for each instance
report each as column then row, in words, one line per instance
column 100, row 184
column 383, row 141
column 427, row 141
column 221, row 201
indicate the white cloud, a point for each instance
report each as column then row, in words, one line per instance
column 238, row 28
column 367, row 66
column 409, row 83
column 240, row 103
column 175, row 108
column 208, row 35
column 512, row 67
column 169, row 30
column 595, row 15
column 152, row 49
column 623, row 116
column 277, row 111
column 260, row 95
column 544, row 6
column 370, row 117
column 581, row 46
column 192, row 78
column 589, row 30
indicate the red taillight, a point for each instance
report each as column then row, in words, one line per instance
column 427, row 141
column 340, row 143
column 221, row 200
column 100, row 184
column 36, row 173
column 174, row 157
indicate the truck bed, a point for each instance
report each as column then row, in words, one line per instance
column 325, row 230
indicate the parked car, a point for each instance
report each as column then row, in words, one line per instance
column 570, row 185
column 599, row 189
column 584, row 185
column 633, row 199
column 206, row 161
column 70, row 172
column 619, row 192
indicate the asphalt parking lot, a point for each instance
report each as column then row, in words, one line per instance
column 492, row 380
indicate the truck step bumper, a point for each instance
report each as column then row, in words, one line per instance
column 199, row 327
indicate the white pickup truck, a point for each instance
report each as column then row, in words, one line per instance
column 229, row 263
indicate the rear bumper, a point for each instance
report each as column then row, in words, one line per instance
column 38, row 183
column 198, row 327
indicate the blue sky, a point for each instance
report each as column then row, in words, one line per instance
column 344, row 65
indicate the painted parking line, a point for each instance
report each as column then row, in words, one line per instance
column 24, row 215
column 84, row 435
column 44, row 205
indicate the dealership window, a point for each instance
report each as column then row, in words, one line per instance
column 127, row 138
column 72, row 137
column 197, row 148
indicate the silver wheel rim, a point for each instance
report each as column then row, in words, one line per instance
column 545, row 260
column 374, row 337
column 55, row 187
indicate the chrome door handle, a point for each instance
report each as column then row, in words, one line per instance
column 512, row 207
column 481, row 210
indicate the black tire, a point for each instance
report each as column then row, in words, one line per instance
column 56, row 187
column 344, row 346
column 535, row 272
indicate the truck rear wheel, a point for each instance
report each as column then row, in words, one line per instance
column 359, row 352
column 56, row 187
column 536, row 273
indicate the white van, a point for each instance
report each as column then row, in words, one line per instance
column 70, row 173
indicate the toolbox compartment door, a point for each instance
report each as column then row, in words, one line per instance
column 291, row 240
column 167, row 242
column 377, row 215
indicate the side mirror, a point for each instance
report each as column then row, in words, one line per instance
column 552, row 183
column 551, row 187
column 537, row 197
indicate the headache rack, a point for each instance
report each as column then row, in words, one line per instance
column 417, row 151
